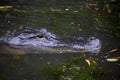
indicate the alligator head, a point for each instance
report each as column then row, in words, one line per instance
column 43, row 38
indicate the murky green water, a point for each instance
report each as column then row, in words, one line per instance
column 65, row 18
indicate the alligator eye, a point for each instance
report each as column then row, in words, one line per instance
column 92, row 38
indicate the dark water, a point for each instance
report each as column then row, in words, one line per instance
column 65, row 18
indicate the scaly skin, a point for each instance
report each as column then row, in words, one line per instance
column 34, row 40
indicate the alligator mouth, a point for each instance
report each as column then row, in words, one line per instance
column 44, row 40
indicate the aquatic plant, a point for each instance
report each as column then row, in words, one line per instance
column 77, row 68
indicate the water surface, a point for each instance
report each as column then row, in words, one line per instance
column 63, row 18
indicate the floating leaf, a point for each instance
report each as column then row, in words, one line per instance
column 113, row 50
column 80, row 29
column 68, row 78
column 17, row 57
column 118, row 57
column 5, row 8
column 21, row 27
column 112, row 59
column 93, row 5
column 109, row 11
column 88, row 61
column 66, row 9
column 78, row 25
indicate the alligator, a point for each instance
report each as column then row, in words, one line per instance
column 36, row 40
